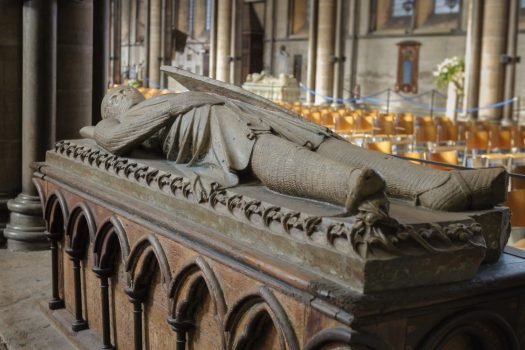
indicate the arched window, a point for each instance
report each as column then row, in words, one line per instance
column 299, row 13
column 446, row 7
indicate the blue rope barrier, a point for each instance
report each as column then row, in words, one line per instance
column 410, row 99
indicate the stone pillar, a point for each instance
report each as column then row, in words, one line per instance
column 325, row 50
column 100, row 55
column 233, row 41
column 224, row 19
column 472, row 57
column 116, row 37
column 494, row 44
column 512, row 52
column 75, row 59
column 155, row 33
column 338, row 53
column 26, row 227
column 213, row 40
column 10, row 105
column 312, row 51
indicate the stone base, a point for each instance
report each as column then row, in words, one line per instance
column 26, row 227
column 4, row 217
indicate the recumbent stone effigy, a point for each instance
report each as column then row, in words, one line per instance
column 230, row 179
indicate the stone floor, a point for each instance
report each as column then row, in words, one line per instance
column 24, row 283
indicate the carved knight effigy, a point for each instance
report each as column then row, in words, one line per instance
column 228, row 139
column 305, row 193
column 218, row 202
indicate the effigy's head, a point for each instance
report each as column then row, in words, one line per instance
column 118, row 100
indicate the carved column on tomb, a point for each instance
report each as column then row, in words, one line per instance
column 325, row 50
column 75, row 59
column 155, row 34
column 100, row 55
column 312, row 51
column 137, row 298
column 11, row 106
column 512, row 53
column 104, row 274
column 494, row 44
column 224, row 19
column 26, row 227
column 472, row 56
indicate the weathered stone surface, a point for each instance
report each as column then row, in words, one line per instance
column 428, row 247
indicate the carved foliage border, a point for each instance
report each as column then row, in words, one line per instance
column 361, row 238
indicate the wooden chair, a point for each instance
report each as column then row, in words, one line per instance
column 516, row 202
column 344, row 124
column 477, row 140
column 414, row 155
column 363, row 123
column 404, row 124
column 500, row 140
column 381, row 146
column 448, row 157
column 515, row 182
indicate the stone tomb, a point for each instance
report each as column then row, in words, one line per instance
column 144, row 258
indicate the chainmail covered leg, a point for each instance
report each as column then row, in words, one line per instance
column 431, row 188
column 291, row 169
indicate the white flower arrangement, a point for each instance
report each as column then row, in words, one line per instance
column 451, row 70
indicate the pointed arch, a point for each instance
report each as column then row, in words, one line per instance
column 199, row 267
column 259, row 302
column 76, row 234
column 110, row 234
column 148, row 245
column 56, row 213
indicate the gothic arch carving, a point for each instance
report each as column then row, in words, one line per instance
column 183, row 299
column 340, row 336
column 146, row 246
column 54, row 202
column 197, row 267
column 75, row 237
column 111, row 232
column 487, row 329
column 254, row 306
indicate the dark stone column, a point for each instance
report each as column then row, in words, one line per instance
column 55, row 302
column 75, row 59
column 26, row 227
column 10, row 105
column 137, row 298
column 79, row 323
column 104, row 275
column 100, row 55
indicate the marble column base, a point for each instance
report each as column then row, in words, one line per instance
column 26, row 227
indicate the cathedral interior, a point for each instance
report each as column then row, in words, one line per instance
column 262, row 174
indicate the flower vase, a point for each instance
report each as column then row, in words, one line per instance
column 452, row 101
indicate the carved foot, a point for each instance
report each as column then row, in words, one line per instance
column 26, row 227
